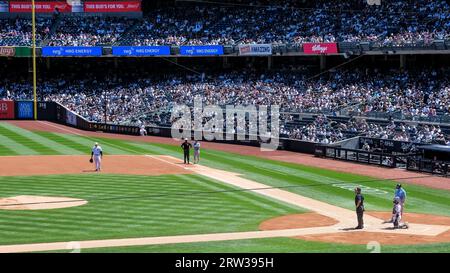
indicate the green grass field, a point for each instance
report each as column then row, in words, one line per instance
column 125, row 206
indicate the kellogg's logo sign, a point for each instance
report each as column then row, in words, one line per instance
column 320, row 48
column 7, row 51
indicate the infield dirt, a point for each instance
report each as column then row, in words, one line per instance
column 78, row 164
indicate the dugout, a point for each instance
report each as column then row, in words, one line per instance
column 436, row 152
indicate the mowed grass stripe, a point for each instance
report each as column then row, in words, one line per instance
column 35, row 146
column 9, row 146
column 88, row 143
column 126, row 147
column 58, row 147
column 6, row 151
column 81, row 149
column 154, row 149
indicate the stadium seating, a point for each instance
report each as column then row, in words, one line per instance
column 396, row 23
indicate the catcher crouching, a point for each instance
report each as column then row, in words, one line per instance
column 397, row 214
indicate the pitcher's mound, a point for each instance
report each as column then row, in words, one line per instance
column 29, row 202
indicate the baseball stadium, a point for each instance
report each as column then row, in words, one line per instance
column 252, row 126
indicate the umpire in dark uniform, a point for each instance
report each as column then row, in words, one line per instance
column 186, row 147
column 359, row 204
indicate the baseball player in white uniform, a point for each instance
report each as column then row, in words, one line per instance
column 196, row 152
column 97, row 154
column 142, row 131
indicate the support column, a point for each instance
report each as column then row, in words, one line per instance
column 402, row 62
column 225, row 62
column 323, row 62
column 269, row 62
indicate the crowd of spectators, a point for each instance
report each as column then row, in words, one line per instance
column 394, row 23
column 413, row 94
column 406, row 132
column 18, row 31
column 327, row 131
column 321, row 130
column 89, row 31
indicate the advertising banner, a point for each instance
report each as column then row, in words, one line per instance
column 71, row 118
column 6, row 109
column 49, row 51
column 207, row 50
column 112, row 6
column 255, row 49
column 46, row 110
column 25, row 110
column 41, row 6
column 23, row 51
column 140, row 50
column 320, row 48
column 4, row 6
column 7, row 51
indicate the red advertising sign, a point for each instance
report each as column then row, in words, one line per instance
column 6, row 109
column 320, row 48
column 7, row 51
column 112, row 6
column 41, row 6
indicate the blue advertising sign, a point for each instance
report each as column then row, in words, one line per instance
column 140, row 50
column 25, row 109
column 60, row 51
column 201, row 50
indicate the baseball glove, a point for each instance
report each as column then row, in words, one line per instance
column 91, row 160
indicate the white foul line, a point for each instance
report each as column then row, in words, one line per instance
column 160, row 159
column 61, row 128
